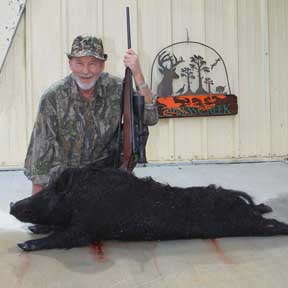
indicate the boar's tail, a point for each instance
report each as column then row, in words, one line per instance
column 260, row 208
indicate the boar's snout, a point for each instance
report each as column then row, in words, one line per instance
column 12, row 208
column 20, row 210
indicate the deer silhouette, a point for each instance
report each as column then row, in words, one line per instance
column 167, row 67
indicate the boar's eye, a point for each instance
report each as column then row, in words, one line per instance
column 60, row 186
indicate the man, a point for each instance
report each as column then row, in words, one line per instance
column 78, row 116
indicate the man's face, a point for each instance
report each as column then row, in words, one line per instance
column 86, row 70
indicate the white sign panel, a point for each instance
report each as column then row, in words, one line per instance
column 10, row 15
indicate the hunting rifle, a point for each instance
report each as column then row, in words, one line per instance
column 131, row 124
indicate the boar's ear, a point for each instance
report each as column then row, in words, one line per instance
column 53, row 202
column 64, row 181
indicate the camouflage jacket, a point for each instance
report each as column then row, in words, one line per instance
column 70, row 131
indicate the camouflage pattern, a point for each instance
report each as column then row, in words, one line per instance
column 71, row 131
column 85, row 45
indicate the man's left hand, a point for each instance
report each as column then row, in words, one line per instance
column 131, row 61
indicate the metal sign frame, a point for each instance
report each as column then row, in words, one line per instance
column 188, row 103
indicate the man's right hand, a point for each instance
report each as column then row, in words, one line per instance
column 36, row 188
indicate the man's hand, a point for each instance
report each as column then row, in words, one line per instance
column 36, row 188
column 131, row 61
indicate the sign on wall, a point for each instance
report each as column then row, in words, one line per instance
column 190, row 79
column 10, row 15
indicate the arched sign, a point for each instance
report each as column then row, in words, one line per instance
column 190, row 79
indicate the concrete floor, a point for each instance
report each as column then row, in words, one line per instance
column 230, row 262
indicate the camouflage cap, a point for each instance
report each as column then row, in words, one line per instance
column 86, row 45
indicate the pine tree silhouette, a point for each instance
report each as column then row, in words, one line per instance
column 188, row 73
column 200, row 67
column 209, row 82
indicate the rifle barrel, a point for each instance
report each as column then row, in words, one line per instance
column 129, row 74
column 128, row 27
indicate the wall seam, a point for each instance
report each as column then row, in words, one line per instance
column 172, row 125
column 237, row 124
column 266, row 72
column 204, row 121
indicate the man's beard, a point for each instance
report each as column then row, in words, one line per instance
column 83, row 86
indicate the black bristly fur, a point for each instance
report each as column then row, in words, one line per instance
column 91, row 205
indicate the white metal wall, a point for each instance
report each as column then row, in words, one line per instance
column 251, row 36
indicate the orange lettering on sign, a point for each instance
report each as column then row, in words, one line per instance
column 174, row 105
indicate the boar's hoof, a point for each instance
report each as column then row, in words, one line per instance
column 27, row 246
column 40, row 229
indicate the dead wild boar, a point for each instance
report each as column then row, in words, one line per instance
column 86, row 205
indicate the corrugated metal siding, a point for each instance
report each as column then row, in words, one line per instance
column 251, row 36
column 251, row 79
column 278, row 43
column 13, row 108
column 10, row 14
column 189, row 137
